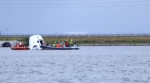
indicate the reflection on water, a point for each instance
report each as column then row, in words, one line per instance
column 102, row 64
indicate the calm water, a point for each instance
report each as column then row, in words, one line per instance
column 104, row 64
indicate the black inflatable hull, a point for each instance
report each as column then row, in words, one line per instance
column 54, row 48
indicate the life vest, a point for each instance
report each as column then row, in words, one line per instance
column 17, row 45
column 66, row 43
column 58, row 45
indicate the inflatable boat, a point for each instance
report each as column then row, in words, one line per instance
column 56, row 48
column 19, row 48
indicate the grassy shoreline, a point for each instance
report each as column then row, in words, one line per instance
column 91, row 40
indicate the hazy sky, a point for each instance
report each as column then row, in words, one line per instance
column 74, row 16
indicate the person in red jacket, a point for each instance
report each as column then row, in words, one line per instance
column 66, row 44
column 58, row 45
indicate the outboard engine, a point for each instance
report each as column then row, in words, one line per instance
column 35, row 42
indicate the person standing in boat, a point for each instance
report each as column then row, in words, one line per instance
column 25, row 44
column 62, row 44
column 58, row 45
column 66, row 44
column 20, row 43
column 17, row 43
column 71, row 43
column 54, row 44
